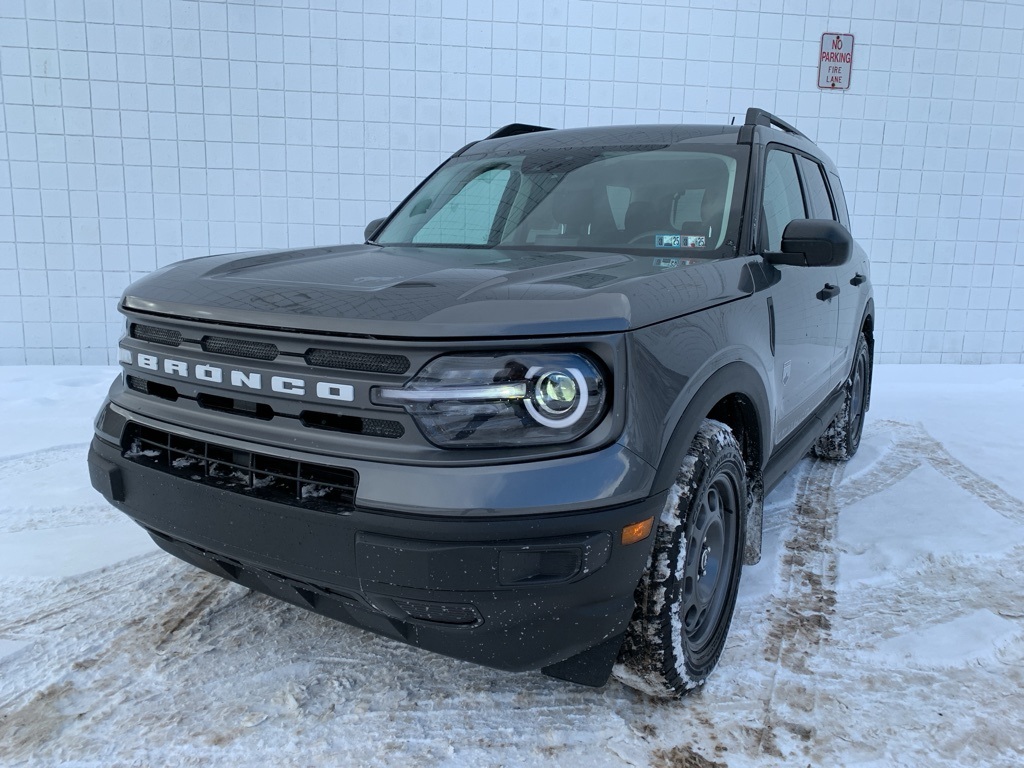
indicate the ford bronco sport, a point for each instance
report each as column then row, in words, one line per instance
column 530, row 422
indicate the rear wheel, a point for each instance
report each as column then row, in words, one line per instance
column 841, row 439
column 685, row 600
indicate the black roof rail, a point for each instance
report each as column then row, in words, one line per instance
column 516, row 129
column 758, row 116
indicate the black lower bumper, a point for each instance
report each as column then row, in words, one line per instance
column 510, row 593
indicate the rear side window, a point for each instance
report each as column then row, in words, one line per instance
column 814, row 186
column 782, row 199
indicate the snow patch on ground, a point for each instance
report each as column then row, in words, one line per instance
column 44, row 407
column 975, row 636
column 884, row 625
column 11, row 647
column 924, row 516
column 49, row 553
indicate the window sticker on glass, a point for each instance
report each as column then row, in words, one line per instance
column 679, row 241
column 665, row 262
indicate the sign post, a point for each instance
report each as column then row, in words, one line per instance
column 835, row 62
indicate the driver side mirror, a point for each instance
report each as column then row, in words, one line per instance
column 813, row 243
column 372, row 227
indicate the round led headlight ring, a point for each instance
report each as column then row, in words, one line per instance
column 559, row 397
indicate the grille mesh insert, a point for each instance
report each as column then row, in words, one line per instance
column 355, row 425
column 302, row 484
column 254, row 350
column 155, row 335
column 358, row 361
column 147, row 387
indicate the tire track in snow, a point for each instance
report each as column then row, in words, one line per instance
column 216, row 676
column 51, row 469
column 38, row 517
column 980, row 487
column 36, row 614
column 800, row 616
column 953, row 581
column 33, row 460
column 195, row 610
column 939, row 590
column 145, row 615
column 912, row 446
column 808, row 565
column 897, row 461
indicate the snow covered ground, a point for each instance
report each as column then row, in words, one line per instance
column 883, row 627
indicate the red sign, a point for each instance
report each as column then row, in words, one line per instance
column 835, row 62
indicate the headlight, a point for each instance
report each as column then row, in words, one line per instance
column 505, row 400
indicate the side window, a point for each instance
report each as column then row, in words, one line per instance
column 817, row 192
column 468, row 216
column 840, row 198
column 782, row 199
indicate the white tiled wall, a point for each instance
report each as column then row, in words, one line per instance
column 134, row 133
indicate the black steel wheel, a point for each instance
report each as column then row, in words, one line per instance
column 686, row 598
column 840, row 441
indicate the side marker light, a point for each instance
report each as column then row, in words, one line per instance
column 631, row 534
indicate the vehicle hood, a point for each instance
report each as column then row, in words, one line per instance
column 405, row 292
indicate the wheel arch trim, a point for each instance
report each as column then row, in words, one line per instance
column 736, row 378
column 731, row 380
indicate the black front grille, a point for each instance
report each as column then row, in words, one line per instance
column 254, row 350
column 155, row 335
column 147, row 387
column 355, row 425
column 313, row 486
column 253, row 410
column 358, row 361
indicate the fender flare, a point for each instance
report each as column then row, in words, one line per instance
column 868, row 311
column 731, row 379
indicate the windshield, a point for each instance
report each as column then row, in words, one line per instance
column 586, row 198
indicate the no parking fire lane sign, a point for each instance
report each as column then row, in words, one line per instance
column 835, row 63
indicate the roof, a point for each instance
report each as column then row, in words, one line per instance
column 603, row 136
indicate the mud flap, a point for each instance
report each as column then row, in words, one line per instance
column 754, row 529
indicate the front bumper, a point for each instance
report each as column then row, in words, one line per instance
column 514, row 592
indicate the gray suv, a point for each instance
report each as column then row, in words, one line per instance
column 530, row 422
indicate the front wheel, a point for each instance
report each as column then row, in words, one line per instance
column 685, row 600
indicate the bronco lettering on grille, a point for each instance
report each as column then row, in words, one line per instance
column 285, row 385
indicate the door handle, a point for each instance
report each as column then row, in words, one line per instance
column 828, row 292
column 857, row 279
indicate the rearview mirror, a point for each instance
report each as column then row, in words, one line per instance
column 813, row 243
